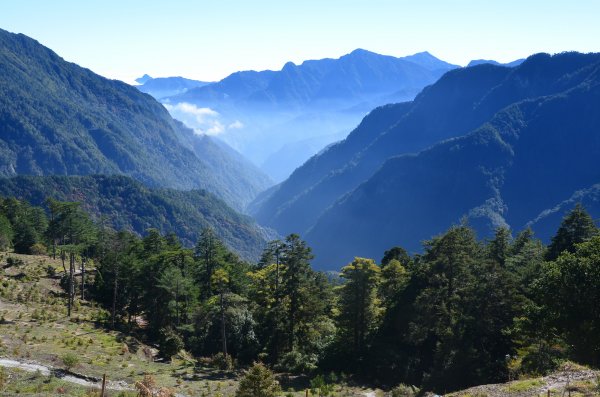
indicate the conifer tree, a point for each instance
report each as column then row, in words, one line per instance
column 577, row 227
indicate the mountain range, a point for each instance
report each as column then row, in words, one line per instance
column 162, row 87
column 496, row 145
column 514, row 63
column 59, row 118
column 278, row 119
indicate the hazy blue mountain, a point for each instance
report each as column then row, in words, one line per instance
column 521, row 126
column 275, row 113
column 428, row 61
column 124, row 203
column 59, row 118
column 162, row 87
column 143, row 79
column 476, row 62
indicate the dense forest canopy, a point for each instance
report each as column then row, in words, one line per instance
column 461, row 313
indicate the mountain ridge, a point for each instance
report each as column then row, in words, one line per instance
column 59, row 118
column 317, row 201
column 319, row 100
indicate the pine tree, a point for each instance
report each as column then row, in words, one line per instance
column 577, row 227
column 359, row 305
column 296, row 256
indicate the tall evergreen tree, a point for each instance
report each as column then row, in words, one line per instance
column 296, row 256
column 209, row 253
column 569, row 291
column 359, row 305
column 577, row 227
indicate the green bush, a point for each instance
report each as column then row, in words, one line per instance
column 38, row 249
column 297, row 362
column 170, row 342
column 320, row 387
column 258, row 382
column 69, row 360
column 222, row 361
column 403, row 390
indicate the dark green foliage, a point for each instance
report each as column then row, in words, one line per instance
column 6, row 232
column 123, row 203
column 26, row 225
column 397, row 253
column 577, row 227
column 59, row 118
column 567, row 292
column 464, row 312
column 170, row 342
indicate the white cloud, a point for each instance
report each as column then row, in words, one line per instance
column 204, row 121
column 236, row 125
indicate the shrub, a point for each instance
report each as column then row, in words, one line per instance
column 147, row 388
column 541, row 359
column 403, row 390
column 170, row 342
column 69, row 360
column 297, row 362
column 258, row 382
column 50, row 271
column 320, row 387
column 222, row 361
column 38, row 249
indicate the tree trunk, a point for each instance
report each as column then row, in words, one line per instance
column 82, row 278
column 62, row 257
column 114, row 299
column 223, row 335
column 71, row 285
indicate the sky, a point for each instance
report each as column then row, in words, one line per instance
column 209, row 39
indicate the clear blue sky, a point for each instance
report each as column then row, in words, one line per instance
column 208, row 39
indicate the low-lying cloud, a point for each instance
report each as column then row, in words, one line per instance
column 204, row 121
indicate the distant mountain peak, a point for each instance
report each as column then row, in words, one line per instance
column 362, row 51
column 142, row 80
column 429, row 61
column 423, row 54
column 476, row 62
column 288, row 66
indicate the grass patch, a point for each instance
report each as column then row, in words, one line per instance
column 523, row 385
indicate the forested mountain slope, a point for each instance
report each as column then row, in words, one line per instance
column 126, row 204
column 532, row 142
column 59, row 118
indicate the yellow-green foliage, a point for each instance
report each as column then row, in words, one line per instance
column 523, row 385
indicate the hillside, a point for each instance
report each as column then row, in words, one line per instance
column 521, row 123
column 270, row 115
column 36, row 338
column 59, row 118
column 127, row 204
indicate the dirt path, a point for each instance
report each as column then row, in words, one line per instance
column 71, row 378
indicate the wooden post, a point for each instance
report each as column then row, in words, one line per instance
column 103, row 385
column 548, row 392
column 306, row 392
